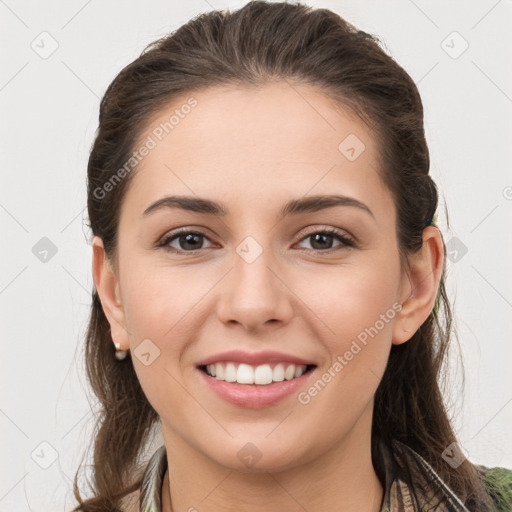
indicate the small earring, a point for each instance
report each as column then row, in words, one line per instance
column 120, row 354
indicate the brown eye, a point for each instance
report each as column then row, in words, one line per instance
column 321, row 241
column 187, row 241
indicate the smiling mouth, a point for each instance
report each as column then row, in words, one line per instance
column 261, row 375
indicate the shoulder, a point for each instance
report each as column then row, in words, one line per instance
column 498, row 484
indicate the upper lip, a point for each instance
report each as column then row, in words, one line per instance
column 254, row 358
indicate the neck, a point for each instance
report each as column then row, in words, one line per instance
column 342, row 478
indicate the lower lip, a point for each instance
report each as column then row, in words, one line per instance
column 255, row 396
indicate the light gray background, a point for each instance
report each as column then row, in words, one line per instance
column 49, row 116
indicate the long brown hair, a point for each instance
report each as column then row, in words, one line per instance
column 258, row 43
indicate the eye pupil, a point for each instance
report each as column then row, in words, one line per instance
column 319, row 237
column 188, row 238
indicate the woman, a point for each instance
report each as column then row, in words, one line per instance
column 270, row 278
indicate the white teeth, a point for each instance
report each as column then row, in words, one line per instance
column 245, row 374
column 261, row 375
column 298, row 372
column 219, row 371
column 289, row 373
column 278, row 373
column 230, row 373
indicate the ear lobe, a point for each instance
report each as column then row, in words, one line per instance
column 107, row 285
column 421, row 285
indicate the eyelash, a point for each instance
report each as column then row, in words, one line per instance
column 346, row 241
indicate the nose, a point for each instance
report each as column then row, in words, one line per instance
column 255, row 293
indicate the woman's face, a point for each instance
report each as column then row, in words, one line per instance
column 255, row 282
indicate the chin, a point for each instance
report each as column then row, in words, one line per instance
column 259, row 455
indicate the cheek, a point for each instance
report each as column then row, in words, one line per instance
column 158, row 300
column 359, row 309
column 352, row 301
column 366, row 309
column 158, row 308
column 359, row 306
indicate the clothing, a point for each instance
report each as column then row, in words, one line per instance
column 411, row 485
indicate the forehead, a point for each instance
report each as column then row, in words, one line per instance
column 250, row 144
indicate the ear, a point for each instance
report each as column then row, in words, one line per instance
column 107, row 285
column 420, row 285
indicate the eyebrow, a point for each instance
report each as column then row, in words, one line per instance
column 293, row 207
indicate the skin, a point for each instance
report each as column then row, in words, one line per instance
column 254, row 149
